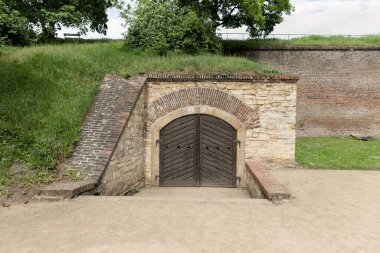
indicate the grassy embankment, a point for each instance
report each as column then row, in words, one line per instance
column 46, row 91
column 235, row 46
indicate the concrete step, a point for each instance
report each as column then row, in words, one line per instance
column 67, row 189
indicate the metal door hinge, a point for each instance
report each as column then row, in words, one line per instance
column 158, row 142
column 237, row 142
column 238, row 179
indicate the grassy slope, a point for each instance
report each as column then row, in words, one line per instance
column 338, row 153
column 338, row 41
column 46, row 91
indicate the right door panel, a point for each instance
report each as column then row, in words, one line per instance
column 217, row 152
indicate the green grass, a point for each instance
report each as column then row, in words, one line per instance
column 47, row 90
column 234, row 46
column 338, row 153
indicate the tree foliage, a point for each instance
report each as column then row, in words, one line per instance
column 14, row 28
column 260, row 16
column 46, row 16
column 163, row 26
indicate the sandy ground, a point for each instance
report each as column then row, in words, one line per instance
column 333, row 211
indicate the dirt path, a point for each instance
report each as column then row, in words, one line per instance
column 334, row 211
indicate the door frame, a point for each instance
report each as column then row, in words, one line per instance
column 153, row 148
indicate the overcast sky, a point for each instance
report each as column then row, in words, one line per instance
column 310, row 17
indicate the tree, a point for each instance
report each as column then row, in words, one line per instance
column 260, row 16
column 46, row 16
column 162, row 26
column 14, row 28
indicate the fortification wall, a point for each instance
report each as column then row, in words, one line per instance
column 338, row 91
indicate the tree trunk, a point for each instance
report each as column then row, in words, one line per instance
column 214, row 13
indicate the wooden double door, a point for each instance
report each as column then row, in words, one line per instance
column 198, row 150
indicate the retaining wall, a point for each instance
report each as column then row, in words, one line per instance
column 126, row 168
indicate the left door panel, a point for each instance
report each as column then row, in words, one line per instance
column 178, row 157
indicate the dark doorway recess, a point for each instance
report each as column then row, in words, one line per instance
column 198, row 150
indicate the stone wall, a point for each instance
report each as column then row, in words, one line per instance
column 338, row 91
column 126, row 168
column 274, row 100
column 252, row 186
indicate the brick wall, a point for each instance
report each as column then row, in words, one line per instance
column 338, row 91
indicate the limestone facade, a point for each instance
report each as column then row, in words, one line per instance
column 273, row 104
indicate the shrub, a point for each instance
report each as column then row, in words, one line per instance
column 164, row 26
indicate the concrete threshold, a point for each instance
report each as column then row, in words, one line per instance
column 171, row 199
column 193, row 192
column 184, row 194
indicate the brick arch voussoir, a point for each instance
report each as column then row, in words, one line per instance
column 204, row 96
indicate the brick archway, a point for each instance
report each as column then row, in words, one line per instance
column 204, row 96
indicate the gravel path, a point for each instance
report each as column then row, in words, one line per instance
column 333, row 211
